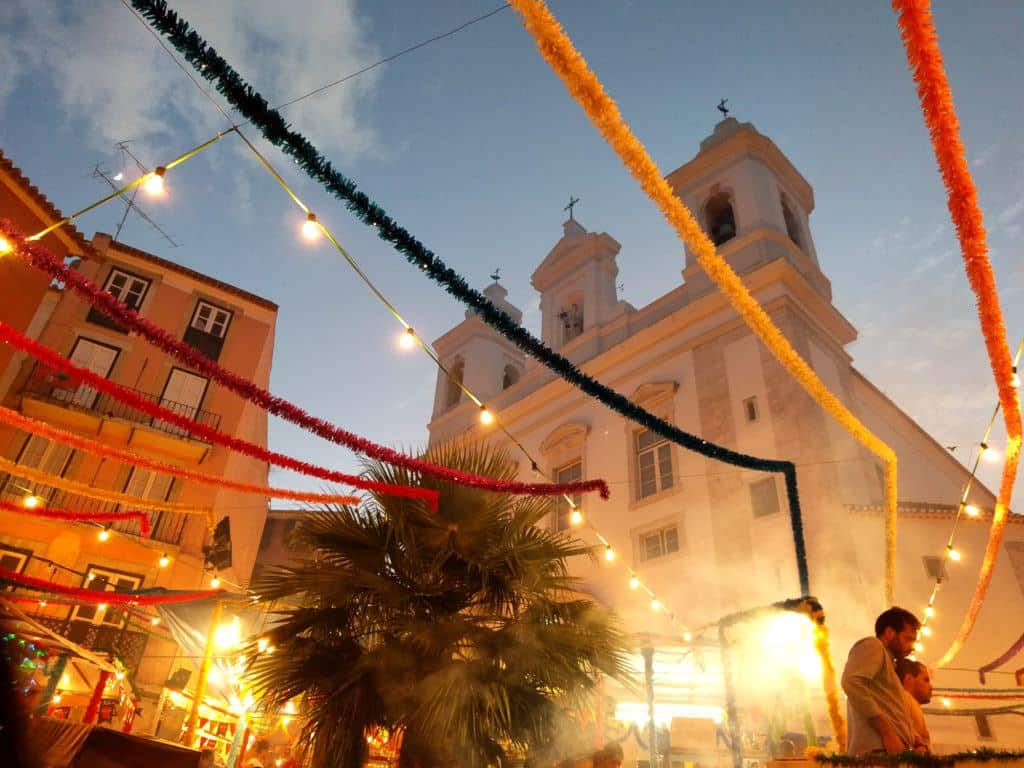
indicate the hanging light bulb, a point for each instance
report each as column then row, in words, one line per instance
column 90, row 577
column 5, row 246
column 575, row 517
column 971, row 510
column 104, row 534
column 164, row 560
column 155, row 620
column 988, row 453
column 929, row 611
column 42, row 603
column 687, row 637
column 215, row 582
column 655, row 604
column 57, row 698
column 947, row 703
column 634, row 582
column 154, row 183
column 101, row 607
column 31, row 502
column 1014, row 380
column 918, row 647
column 310, row 227
column 609, row 554
column 926, row 631
column 486, row 417
column 954, row 554
column 261, row 644
column 408, row 339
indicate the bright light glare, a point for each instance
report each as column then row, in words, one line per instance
column 228, row 635
column 310, row 229
column 154, row 183
column 5, row 246
column 971, row 510
column 664, row 713
column 407, row 340
column 486, row 417
column 609, row 554
column 788, row 639
column 31, row 502
column 634, row 582
column 575, row 517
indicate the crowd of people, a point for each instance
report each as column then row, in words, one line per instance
column 885, row 689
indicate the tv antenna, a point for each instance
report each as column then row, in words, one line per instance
column 130, row 205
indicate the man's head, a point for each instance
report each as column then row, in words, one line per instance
column 897, row 629
column 261, row 749
column 916, row 679
column 609, row 757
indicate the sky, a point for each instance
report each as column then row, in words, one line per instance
column 474, row 146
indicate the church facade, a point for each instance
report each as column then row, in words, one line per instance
column 708, row 538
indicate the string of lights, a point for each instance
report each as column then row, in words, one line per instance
column 950, row 554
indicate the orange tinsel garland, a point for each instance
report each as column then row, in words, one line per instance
column 17, row 420
column 584, row 86
column 917, row 28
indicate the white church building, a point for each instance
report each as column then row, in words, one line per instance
column 711, row 539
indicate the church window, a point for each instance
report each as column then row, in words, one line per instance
column 658, row 543
column 720, row 218
column 935, row 567
column 750, row 408
column 653, row 464
column 764, row 497
column 510, row 377
column 572, row 320
column 454, row 392
column 792, row 228
column 570, row 473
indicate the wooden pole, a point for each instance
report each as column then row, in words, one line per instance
column 204, row 672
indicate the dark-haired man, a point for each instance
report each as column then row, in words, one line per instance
column 917, row 690
column 876, row 705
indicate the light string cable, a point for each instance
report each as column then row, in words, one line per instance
column 253, row 106
column 950, row 553
column 586, row 89
column 924, row 57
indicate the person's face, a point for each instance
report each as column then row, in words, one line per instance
column 900, row 644
column 920, row 687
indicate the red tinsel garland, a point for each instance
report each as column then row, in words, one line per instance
column 95, row 596
column 80, row 517
column 42, row 259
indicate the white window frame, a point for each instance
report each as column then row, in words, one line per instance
column 103, row 618
column 151, row 478
column 661, row 451
column 124, row 293
column 569, row 472
column 210, row 324
column 22, row 556
column 660, row 531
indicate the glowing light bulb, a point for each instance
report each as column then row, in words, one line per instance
column 486, row 417
column 214, row 583
column 954, row 555
column 926, row 631
column 261, row 644
column 42, row 603
column 947, row 703
column 918, row 647
column 154, row 183
column 988, row 453
column 271, row 649
column 687, row 637
column 90, row 577
column 971, row 511
column 634, row 582
column 929, row 611
column 289, row 707
column 119, row 675
column 5, row 246
column 575, row 517
column 1014, row 380
column 155, row 620
column 57, row 698
column 655, row 604
column 103, row 535
column 31, row 502
column 164, row 561
column 407, row 340
column 310, row 228
column 609, row 554
column 101, row 607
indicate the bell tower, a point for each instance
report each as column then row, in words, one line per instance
column 751, row 201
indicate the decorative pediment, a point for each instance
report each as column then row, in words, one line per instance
column 654, row 392
column 568, row 435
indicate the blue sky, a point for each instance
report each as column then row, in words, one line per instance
column 475, row 147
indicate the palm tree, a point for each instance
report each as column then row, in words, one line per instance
column 460, row 629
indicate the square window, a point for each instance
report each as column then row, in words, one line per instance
column 128, row 288
column 14, row 559
column 658, row 543
column 103, row 580
column 764, row 497
column 653, row 464
column 211, row 319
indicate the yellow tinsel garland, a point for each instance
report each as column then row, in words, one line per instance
column 583, row 85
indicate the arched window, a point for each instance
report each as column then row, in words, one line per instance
column 792, row 228
column 572, row 320
column 454, row 393
column 720, row 218
column 511, row 376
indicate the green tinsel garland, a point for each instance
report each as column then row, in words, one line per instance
column 250, row 103
column 919, row 760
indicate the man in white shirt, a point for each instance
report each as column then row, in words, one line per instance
column 876, row 704
column 917, row 690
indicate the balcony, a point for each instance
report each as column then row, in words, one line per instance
column 55, row 399
column 106, row 638
column 165, row 527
